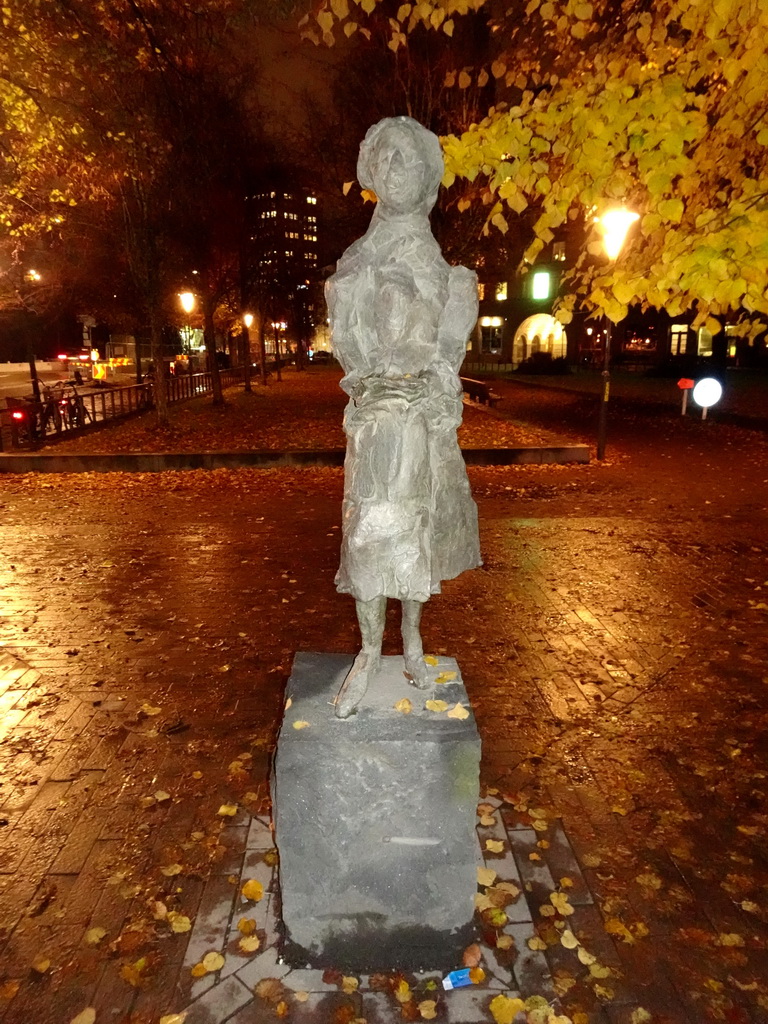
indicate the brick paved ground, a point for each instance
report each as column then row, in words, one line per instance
column 614, row 646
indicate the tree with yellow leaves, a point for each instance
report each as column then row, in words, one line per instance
column 660, row 107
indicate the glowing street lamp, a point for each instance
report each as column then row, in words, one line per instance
column 247, row 322
column 707, row 393
column 614, row 224
column 187, row 300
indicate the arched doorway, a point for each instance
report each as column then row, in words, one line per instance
column 539, row 333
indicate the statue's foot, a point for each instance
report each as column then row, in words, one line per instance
column 354, row 687
column 416, row 668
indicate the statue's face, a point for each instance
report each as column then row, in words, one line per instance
column 398, row 176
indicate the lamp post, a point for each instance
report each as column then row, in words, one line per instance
column 247, row 322
column 615, row 224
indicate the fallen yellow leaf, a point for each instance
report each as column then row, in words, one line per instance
column 301, row 996
column 171, row 870
column 404, row 706
column 179, row 923
column 249, row 943
column 94, row 936
column 430, row 659
column 504, row 942
column 9, row 988
column 253, row 890
column 428, row 1009
column 458, row 711
column 86, row 1016
column 485, row 876
column 227, row 810
column 41, row 964
column 246, row 926
column 560, row 902
column 488, row 819
column 301, row 724
column 213, row 962
column 445, row 677
column 173, row 1018
column 149, row 710
column 198, row 971
column 505, row 1009
column 349, row 985
column 536, row 943
column 403, row 990
column 476, row 975
column 616, row 927
column 436, row 705
column 494, row 845
column 471, row 956
column 161, row 796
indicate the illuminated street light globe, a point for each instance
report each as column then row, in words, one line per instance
column 187, row 300
column 707, row 392
column 615, row 224
column 248, row 319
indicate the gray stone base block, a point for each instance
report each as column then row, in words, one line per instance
column 375, row 821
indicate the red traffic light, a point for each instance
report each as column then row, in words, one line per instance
column 17, row 414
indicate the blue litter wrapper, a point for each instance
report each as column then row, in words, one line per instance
column 457, row 979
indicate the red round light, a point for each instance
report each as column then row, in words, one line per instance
column 17, row 415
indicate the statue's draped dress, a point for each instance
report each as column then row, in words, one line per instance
column 400, row 317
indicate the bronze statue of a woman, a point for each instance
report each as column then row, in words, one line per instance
column 400, row 318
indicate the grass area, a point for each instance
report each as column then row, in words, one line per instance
column 745, row 392
column 304, row 411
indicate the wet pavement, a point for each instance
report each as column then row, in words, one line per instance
column 614, row 646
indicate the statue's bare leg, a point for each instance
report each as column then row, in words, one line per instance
column 371, row 616
column 413, row 651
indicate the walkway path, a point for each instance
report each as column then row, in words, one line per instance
column 614, row 646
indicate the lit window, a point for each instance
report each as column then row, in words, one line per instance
column 271, row 195
column 289, row 252
column 286, row 196
column 480, row 290
column 310, row 238
column 678, row 336
column 501, row 291
column 490, row 334
column 558, row 252
column 312, row 200
column 540, row 286
column 311, row 219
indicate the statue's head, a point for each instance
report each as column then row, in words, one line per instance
column 401, row 161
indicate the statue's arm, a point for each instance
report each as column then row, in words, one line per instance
column 458, row 317
column 345, row 294
column 456, row 322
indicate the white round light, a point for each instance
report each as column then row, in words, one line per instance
column 707, row 392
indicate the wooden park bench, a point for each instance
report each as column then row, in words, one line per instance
column 479, row 391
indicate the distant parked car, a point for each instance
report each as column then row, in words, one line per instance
column 322, row 358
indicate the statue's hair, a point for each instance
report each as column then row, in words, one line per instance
column 425, row 141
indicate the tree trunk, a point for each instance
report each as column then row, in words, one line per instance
column 210, row 351
column 160, row 384
column 263, row 349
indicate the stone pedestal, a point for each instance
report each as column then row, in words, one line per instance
column 375, row 822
